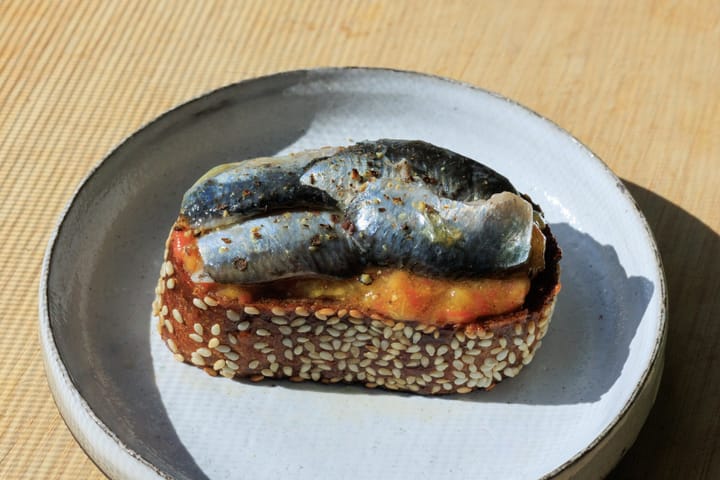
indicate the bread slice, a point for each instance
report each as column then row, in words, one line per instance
column 328, row 342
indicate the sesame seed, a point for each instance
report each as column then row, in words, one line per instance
column 232, row 315
column 442, row 350
column 271, row 358
column 416, row 337
column 242, row 326
column 227, row 373
column 387, row 332
column 232, row 356
column 218, row 347
column 164, row 310
column 170, row 283
column 287, row 370
column 355, row 314
column 430, row 349
column 169, row 326
column 297, row 322
column 169, row 268
column 267, row 372
column 502, row 355
column 215, row 329
column 251, row 311
column 279, row 312
column 315, row 376
column 503, row 342
column 510, row 372
column 342, row 312
column 232, row 365
column 198, row 328
column 486, row 343
column 204, row 352
column 199, row 304
column 171, row 345
column 424, row 361
column 210, row 301
column 326, row 356
column 530, row 339
column 288, row 354
column 464, row 390
column 301, row 311
column 261, row 332
column 232, row 339
column 259, row 345
column 454, row 344
column 219, row 364
column 177, row 316
column 458, row 364
column 196, row 338
column 333, row 320
column 285, row 330
column 254, row 364
column 304, row 328
column 279, row 320
column 320, row 316
column 179, row 357
column 197, row 360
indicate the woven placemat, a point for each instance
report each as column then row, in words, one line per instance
column 635, row 80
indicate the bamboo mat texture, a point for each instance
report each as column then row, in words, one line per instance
column 635, row 81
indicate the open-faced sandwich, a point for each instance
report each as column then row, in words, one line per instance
column 393, row 264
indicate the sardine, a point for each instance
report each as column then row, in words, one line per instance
column 237, row 191
column 448, row 174
column 405, row 204
column 279, row 246
column 408, row 226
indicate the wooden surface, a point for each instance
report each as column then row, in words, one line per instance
column 638, row 82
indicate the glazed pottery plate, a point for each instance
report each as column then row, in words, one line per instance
column 140, row 414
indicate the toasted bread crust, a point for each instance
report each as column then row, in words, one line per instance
column 310, row 340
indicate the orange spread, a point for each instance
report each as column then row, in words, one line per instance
column 393, row 293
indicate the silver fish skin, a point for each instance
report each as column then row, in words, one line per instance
column 408, row 226
column 448, row 174
column 237, row 191
column 273, row 247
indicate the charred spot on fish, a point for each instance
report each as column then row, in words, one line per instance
column 348, row 226
column 382, row 209
column 429, row 180
column 355, row 175
column 246, row 193
column 312, row 179
column 226, row 240
column 315, row 241
column 241, row 264
column 256, row 235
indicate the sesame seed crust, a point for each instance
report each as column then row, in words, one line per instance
column 329, row 343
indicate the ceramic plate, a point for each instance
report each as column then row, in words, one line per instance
column 140, row 414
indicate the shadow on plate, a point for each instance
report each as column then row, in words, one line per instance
column 680, row 438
